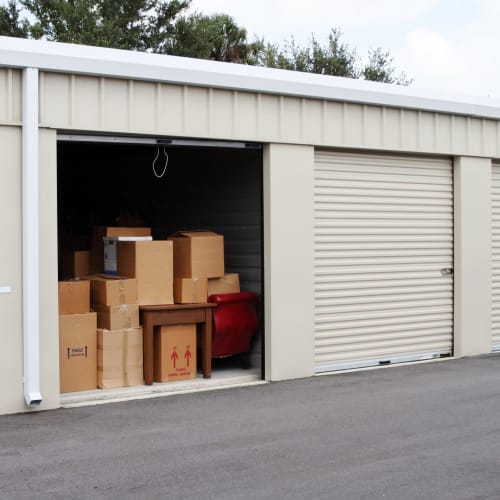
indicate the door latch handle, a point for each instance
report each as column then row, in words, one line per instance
column 446, row 271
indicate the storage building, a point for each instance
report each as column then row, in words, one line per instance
column 366, row 215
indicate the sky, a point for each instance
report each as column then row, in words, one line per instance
column 447, row 45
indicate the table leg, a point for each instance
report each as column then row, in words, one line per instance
column 148, row 326
column 206, row 335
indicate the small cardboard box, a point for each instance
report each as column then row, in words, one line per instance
column 190, row 290
column 74, row 264
column 151, row 264
column 229, row 283
column 198, row 254
column 78, row 352
column 112, row 290
column 117, row 317
column 119, row 358
column 97, row 249
column 74, row 296
column 174, row 353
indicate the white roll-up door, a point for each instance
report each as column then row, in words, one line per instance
column 495, row 269
column 383, row 259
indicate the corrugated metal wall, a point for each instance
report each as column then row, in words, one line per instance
column 383, row 240
column 114, row 105
column 10, row 96
column 495, row 251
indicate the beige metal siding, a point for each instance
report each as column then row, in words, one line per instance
column 75, row 102
column 495, row 269
column 383, row 235
column 11, row 353
column 10, row 96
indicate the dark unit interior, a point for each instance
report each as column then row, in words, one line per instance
column 168, row 189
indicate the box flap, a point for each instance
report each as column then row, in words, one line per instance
column 201, row 233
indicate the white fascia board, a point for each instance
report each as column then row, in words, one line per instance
column 98, row 61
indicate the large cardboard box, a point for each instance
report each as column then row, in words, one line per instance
column 112, row 290
column 151, row 264
column 190, row 290
column 117, row 317
column 74, row 264
column 198, row 254
column 119, row 358
column 229, row 283
column 74, row 296
column 78, row 352
column 97, row 249
column 174, row 353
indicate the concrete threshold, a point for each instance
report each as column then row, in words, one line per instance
column 104, row 396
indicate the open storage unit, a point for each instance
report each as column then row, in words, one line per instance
column 156, row 183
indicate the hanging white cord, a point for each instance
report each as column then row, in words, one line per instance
column 159, row 176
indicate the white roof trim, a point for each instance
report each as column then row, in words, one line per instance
column 80, row 59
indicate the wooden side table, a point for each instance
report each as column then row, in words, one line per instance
column 176, row 314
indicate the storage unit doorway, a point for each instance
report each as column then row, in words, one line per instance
column 168, row 185
column 383, row 259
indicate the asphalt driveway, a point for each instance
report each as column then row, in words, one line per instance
column 410, row 432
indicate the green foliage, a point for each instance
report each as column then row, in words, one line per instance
column 335, row 58
column 133, row 25
column 215, row 37
column 379, row 68
column 11, row 23
column 161, row 26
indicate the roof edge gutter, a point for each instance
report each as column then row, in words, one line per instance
column 31, row 238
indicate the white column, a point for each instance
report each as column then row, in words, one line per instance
column 472, row 308
column 288, row 261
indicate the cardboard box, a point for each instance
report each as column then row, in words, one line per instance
column 190, row 290
column 97, row 249
column 229, row 283
column 74, row 296
column 117, row 317
column 198, row 254
column 74, row 264
column 78, row 352
column 151, row 264
column 110, row 244
column 119, row 358
column 112, row 290
column 174, row 353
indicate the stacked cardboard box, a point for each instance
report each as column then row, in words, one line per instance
column 101, row 232
column 119, row 336
column 229, row 283
column 77, row 337
column 198, row 256
column 74, row 264
column 151, row 264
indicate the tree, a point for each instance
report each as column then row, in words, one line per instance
column 216, row 37
column 379, row 68
column 11, row 23
column 161, row 26
column 335, row 58
column 133, row 25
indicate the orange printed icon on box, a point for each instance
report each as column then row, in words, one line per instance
column 187, row 355
column 175, row 353
column 174, row 357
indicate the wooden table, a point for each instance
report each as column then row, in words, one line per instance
column 177, row 314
